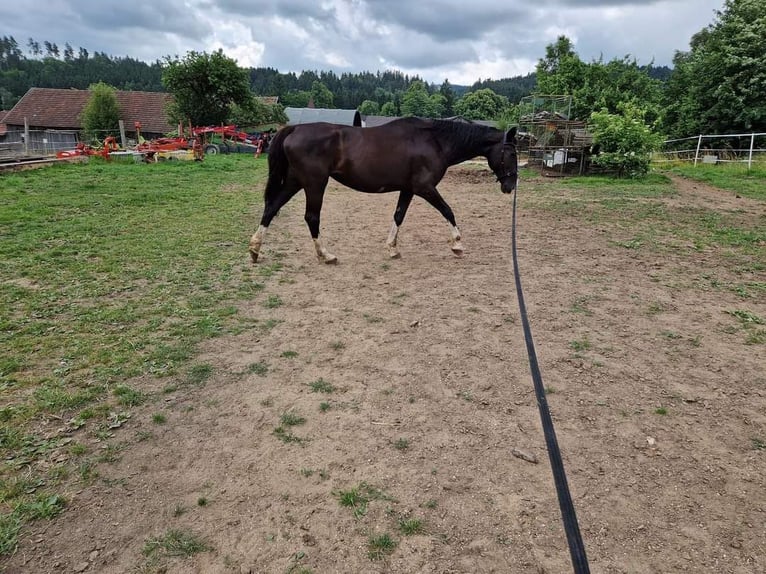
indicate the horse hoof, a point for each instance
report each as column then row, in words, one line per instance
column 331, row 260
column 458, row 251
column 254, row 256
column 395, row 255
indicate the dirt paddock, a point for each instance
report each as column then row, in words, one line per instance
column 412, row 381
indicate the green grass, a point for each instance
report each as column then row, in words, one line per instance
column 379, row 546
column 733, row 177
column 411, row 526
column 321, row 386
column 111, row 272
column 176, row 543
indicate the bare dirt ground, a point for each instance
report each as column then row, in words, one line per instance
column 659, row 406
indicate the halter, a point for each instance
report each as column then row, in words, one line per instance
column 505, row 173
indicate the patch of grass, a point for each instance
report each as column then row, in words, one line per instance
column 372, row 318
column 199, row 374
column 321, row 386
column 286, row 436
column 290, row 419
column 411, row 526
column 430, row 504
column 259, row 368
column 159, row 418
column 324, row 407
column 402, row 444
column 661, row 411
column 176, row 543
column 128, row 396
column 580, row 345
column 289, row 354
column 337, row 345
column 758, row 444
column 357, row 498
column 380, row 546
column 272, row 302
column 737, row 178
column 580, row 305
column 202, row 501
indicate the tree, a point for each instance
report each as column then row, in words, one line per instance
column 561, row 71
column 449, row 98
column 718, row 86
column 417, row 102
column 101, row 115
column 482, row 104
column 388, row 109
column 256, row 112
column 321, row 95
column 205, row 87
column 369, row 108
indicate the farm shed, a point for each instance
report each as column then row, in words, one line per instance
column 310, row 115
column 556, row 144
column 53, row 117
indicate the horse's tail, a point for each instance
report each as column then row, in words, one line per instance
column 278, row 163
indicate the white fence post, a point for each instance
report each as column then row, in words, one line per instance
column 697, row 153
column 752, row 144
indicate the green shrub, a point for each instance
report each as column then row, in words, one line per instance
column 625, row 142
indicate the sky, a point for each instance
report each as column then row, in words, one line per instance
column 462, row 41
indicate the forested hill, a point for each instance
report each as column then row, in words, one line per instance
column 47, row 66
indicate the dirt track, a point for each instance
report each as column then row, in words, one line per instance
column 657, row 403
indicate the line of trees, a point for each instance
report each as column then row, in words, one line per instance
column 717, row 86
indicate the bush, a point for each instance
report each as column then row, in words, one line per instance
column 625, row 142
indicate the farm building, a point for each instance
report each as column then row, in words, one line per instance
column 51, row 117
column 310, row 115
column 556, row 144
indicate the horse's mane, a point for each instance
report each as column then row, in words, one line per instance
column 460, row 134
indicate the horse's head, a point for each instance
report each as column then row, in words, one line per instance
column 503, row 161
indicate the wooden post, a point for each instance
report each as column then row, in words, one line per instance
column 123, row 139
column 26, row 136
column 750, row 157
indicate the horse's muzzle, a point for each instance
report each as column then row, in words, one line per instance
column 508, row 184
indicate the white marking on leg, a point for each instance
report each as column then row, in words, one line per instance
column 391, row 241
column 457, row 246
column 323, row 254
column 256, row 241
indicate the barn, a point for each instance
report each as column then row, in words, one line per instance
column 47, row 120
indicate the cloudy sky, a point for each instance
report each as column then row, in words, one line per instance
column 458, row 40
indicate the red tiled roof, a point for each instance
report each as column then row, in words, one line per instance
column 60, row 109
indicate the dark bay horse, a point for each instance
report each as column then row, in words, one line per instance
column 409, row 155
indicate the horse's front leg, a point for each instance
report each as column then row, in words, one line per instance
column 432, row 196
column 256, row 241
column 313, row 210
column 405, row 197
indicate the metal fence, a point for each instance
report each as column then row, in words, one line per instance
column 35, row 143
column 747, row 149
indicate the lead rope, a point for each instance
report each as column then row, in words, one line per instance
column 568, row 515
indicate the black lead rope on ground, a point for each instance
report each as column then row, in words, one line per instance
column 568, row 515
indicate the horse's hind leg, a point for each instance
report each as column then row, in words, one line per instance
column 432, row 196
column 405, row 197
column 270, row 210
column 314, row 197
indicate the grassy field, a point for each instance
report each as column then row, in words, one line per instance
column 110, row 271
column 737, row 178
column 113, row 272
